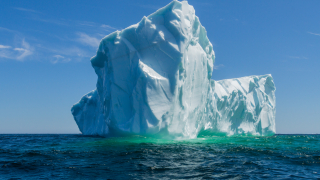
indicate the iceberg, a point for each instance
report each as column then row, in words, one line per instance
column 154, row 78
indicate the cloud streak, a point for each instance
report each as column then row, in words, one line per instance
column 25, row 51
column 218, row 66
column 314, row 33
column 75, row 44
column 81, row 24
column 17, row 53
column 88, row 40
column 4, row 47
column 107, row 27
column 9, row 30
column 51, row 21
column 60, row 59
column 26, row 10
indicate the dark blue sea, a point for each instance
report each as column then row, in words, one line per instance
column 138, row 157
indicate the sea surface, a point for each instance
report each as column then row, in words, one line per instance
column 138, row 157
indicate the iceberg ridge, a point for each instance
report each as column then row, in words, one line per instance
column 154, row 78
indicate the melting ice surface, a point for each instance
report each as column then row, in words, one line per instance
column 154, row 78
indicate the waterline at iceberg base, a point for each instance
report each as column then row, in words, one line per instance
column 154, row 78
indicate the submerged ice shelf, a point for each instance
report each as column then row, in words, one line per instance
column 154, row 78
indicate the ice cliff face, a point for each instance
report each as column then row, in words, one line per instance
column 241, row 106
column 154, row 78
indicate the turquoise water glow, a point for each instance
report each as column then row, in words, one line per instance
column 138, row 157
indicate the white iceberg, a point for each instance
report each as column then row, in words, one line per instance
column 154, row 78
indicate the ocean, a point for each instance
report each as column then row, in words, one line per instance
column 67, row 156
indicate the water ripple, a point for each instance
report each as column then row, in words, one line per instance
column 137, row 157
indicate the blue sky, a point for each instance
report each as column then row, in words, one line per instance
column 45, row 48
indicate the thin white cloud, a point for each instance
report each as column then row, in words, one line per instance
column 4, row 53
column 26, row 10
column 51, row 21
column 78, row 24
column 25, row 51
column 87, row 23
column 107, row 27
column 58, row 56
column 88, row 40
column 4, row 47
column 8, row 30
column 218, row 66
column 314, row 33
column 60, row 59
column 17, row 53
column 74, row 49
column 65, row 54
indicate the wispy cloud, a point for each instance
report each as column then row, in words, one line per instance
column 5, row 53
column 75, row 43
column 8, row 30
column 60, row 59
column 96, row 26
column 73, row 53
column 88, row 40
column 17, row 53
column 92, row 26
column 107, row 27
column 51, row 21
column 26, row 10
column 314, row 33
column 216, row 67
column 25, row 51
column 4, row 47
column 87, row 23
column 19, row 49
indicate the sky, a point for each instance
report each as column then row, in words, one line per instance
column 46, row 46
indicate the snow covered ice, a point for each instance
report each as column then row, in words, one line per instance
column 154, row 78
